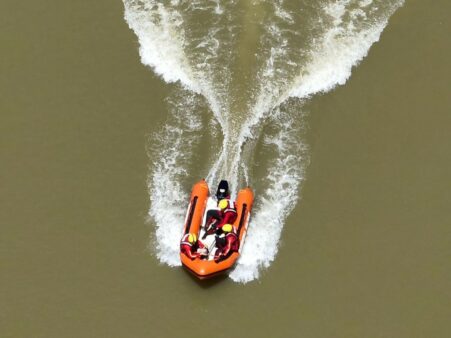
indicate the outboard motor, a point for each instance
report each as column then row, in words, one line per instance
column 223, row 190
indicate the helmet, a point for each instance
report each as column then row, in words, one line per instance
column 227, row 227
column 223, row 204
column 223, row 190
column 192, row 238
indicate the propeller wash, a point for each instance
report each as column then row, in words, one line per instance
column 239, row 73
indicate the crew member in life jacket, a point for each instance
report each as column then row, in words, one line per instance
column 216, row 219
column 192, row 248
column 228, row 244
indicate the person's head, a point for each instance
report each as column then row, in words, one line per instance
column 223, row 190
column 227, row 228
column 223, row 204
column 192, row 238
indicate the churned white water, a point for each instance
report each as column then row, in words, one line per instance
column 298, row 57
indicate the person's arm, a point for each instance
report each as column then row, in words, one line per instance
column 218, row 255
column 228, row 246
column 202, row 250
column 187, row 251
column 228, row 218
column 225, row 251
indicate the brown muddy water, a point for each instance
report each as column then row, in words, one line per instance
column 365, row 253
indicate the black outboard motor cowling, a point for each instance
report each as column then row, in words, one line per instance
column 223, row 190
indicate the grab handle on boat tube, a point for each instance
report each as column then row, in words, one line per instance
column 190, row 216
column 243, row 213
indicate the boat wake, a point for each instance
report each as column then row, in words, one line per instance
column 240, row 74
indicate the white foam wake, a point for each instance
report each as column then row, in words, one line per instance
column 160, row 36
column 279, row 198
column 331, row 60
column 298, row 56
column 171, row 151
column 340, row 49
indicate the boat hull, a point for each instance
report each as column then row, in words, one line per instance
column 203, row 268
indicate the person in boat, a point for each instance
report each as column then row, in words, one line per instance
column 227, row 243
column 216, row 219
column 223, row 191
column 192, row 247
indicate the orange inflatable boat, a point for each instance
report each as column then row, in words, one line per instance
column 195, row 223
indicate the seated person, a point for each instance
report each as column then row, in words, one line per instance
column 193, row 248
column 216, row 219
column 223, row 190
column 228, row 244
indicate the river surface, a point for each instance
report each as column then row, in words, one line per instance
column 336, row 112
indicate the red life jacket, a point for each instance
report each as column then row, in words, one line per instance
column 229, row 214
column 232, row 245
column 190, row 249
column 232, row 241
column 185, row 241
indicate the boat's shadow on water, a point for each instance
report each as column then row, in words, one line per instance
column 207, row 283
